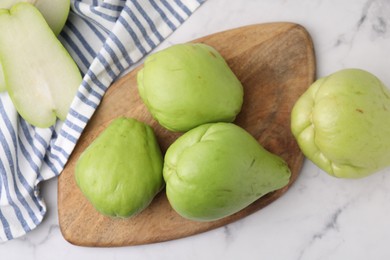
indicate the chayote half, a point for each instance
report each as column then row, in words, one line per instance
column 187, row 85
column 217, row 169
column 121, row 171
column 342, row 123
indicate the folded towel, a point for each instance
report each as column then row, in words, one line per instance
column 105, row 38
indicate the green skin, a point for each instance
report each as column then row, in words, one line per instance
column 217, row 169
column 55, row 13
column 121, row 171
column 187, row 85
column 40, row 76
column 341, row 123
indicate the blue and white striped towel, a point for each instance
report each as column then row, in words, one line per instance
column 105, row 37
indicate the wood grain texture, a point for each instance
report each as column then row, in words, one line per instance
column 275, row 63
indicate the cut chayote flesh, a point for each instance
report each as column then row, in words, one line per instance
column 342, row 123
column 217, row 169
column 187, row 85
column 121, row 171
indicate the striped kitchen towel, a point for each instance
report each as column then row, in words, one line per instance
column 105, row 37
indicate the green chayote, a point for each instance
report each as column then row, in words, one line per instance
column 342, row 123
column 120, row 172
column 217, row 169
column 187, row 85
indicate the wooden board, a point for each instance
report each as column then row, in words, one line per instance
column 275, row 62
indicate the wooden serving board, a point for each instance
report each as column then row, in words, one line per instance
column 275, row 63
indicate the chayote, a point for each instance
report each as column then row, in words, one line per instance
column 342, row 123
column 189, row 84
column 217, row 169
column 120, row 172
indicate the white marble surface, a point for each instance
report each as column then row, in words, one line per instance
column 320, row 217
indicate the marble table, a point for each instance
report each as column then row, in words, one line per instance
column 320, row 217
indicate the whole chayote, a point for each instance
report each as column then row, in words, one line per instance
column 342, row 123
column 217, row 169
column 121, row 171
column 189, row 84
